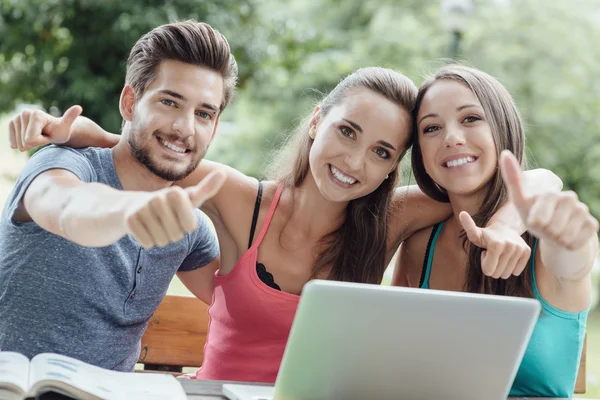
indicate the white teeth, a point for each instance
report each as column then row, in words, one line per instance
column 460, row 161
column 172, row 146
column 340, row 176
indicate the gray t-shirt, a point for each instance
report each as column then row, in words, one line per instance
column 89, row 303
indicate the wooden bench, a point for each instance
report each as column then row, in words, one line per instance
column 175, row 335
column 177, row 332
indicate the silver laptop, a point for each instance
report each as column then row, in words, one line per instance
column 358, row 341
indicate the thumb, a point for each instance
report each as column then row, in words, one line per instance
column 474, row 233
column 70, row 116
column 207, row 188
column 512, row 176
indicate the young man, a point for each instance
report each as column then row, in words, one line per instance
column 91, row 238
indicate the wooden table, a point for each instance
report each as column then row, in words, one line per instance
column 211, row 390
column 205, row 390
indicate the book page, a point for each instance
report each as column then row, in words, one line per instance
column 14, row 370
column 102, row 383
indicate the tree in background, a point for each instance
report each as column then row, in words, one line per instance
column 64, row 52
column 545, row 53
column 311, row 46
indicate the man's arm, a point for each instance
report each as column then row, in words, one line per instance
column 95, row 215
column 32, row 128
column 89, row 214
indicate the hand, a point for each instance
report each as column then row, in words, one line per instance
column 558, row 217
column 32, row 128
column 505, row 254
column 164, row 216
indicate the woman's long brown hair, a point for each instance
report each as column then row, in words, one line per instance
column 507, row 130
column 355, row 251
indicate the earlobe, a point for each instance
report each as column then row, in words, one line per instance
column 392, row 172
column 127, row 103
column 316, row 117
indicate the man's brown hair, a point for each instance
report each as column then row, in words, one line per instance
column 190, row 42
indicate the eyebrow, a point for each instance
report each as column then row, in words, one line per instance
column 467, row 106
column 457, row 109
column 183, row 98
column 173, row 94
column 358, row 128
column 427, row 116
column 354, row 125
column 386, row 144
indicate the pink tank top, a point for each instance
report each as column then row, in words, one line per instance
column 249, row 321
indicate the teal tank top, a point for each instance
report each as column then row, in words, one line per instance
column 551, row 360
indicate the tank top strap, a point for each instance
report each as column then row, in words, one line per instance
column 269, row 217
column 255, row 213
column 428, row 259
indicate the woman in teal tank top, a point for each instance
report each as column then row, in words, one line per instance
column 465, row 120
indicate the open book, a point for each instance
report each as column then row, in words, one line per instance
column 47, row 372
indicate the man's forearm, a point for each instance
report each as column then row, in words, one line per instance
column 94, row 215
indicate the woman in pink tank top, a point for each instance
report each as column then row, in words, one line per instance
column 329, row 210
column 330, row 188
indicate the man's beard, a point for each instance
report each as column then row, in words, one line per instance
column 143, row 155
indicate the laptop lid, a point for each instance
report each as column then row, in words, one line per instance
column 359, row 341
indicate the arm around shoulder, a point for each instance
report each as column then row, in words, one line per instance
column 412, row 211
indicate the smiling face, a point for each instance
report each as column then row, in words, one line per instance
column 173, row 122
column 357, row 144
column 455, row 138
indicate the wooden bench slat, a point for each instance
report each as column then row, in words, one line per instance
column 176, row 333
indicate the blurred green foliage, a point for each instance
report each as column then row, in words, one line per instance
column 62, row 52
